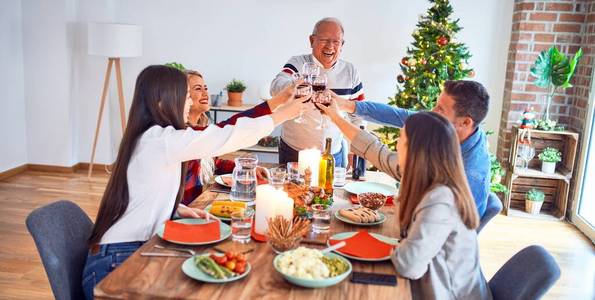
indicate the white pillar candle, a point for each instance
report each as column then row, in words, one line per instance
column 310, row 158
column 270, row 202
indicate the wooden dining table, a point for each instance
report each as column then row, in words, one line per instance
column 141, row 277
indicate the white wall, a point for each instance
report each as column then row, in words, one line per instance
column 13, row 142
column 248, row 40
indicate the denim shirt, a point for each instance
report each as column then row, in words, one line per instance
column 474, row 149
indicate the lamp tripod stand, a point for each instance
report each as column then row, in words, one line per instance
column 111, row 61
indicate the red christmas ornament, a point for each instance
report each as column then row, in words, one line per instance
column 442, row 41
column 405, row 61
column 423, row 61
column 472, row 74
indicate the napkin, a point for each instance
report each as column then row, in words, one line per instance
column 389, row 200
column 364, row 245
column 191, row 233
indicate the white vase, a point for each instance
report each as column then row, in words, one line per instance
column 533, row 207
column 548, row 167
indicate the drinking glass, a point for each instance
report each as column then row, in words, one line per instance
column 241, row 225
column 526, row 152
column 278, row 176
column 310, row 71
column 339, row 177
column 321, row 218
column 321, row 96
column 293, row 173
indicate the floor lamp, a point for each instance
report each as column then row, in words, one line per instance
column 113, row 41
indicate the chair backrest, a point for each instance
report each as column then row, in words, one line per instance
column 493, row 207
column 60, row 231
column 529, row 274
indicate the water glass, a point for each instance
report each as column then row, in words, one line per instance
column 321, row 218
column 278, row 176
column 339, row 177
column 241, row 225
column 526, row 152
column 293, row 173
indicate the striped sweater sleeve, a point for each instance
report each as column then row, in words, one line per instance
column 285, row 77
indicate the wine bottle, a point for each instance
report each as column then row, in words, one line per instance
column 359, row 165
column 327, row 169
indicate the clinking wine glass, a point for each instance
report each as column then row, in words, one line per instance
column 310, row 71
column 321, row 96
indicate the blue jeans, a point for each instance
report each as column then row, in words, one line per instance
column 109, row 257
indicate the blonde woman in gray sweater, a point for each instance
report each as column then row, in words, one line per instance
column 437, row 215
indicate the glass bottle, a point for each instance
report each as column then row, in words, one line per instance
column 359, row 165
column 326, row 169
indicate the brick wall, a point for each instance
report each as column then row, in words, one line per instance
column 536, row 26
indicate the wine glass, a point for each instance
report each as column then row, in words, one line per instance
column 321, row 96
column 310, row 71
column 526, row 152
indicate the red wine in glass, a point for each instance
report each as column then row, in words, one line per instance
column 317, row 87
column 304, row 89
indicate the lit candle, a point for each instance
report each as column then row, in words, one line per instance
column 310, row 158
column 270, row 202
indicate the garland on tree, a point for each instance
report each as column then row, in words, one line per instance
column 434, row 57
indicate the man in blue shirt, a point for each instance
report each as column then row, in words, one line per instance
column 465, row 104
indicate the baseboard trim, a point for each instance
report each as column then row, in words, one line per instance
column 51, row 168
column 14, row 171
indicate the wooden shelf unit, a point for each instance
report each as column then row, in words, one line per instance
column 555, row 186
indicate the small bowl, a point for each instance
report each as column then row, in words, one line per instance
column 280, row 247
column 373, row 201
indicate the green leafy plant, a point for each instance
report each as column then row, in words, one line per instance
column 535, row 195
column 552, row 70
column 496, row 174
column 176, row 65
column 235, row 86
column 550, row 154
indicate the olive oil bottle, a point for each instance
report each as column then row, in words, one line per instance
column 327, row 169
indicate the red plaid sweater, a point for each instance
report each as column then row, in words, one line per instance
column 193, row 185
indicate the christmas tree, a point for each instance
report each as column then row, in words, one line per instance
column 434, row 57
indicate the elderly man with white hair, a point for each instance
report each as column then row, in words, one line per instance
column 343, row 79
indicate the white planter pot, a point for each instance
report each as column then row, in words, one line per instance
column 548, row 167
column 533, row 207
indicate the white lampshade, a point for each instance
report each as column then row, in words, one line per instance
column 115, row 40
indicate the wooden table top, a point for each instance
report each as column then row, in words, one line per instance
column 162, row 277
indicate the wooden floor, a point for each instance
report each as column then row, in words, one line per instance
column 22, row 275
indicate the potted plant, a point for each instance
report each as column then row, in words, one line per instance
column 549, row 157
column 553, row 70
column 533, row 201
column 235, row 88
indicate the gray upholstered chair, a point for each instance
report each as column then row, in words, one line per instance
column 529, row 274
column 493, row 207
column 60, row 231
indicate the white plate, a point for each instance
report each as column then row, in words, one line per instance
column 346, row 235
column 219, row 180
column 224, row 231
column 340, row 217
column 370, row 187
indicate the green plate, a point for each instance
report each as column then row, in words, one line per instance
column 208, row 209
column 192, row 271
column 340, row 217
column 346, row 235
column 224, row 230
column 370, row 187
column 315, row 283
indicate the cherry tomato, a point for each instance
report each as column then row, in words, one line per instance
column 220, row 260
column 241, row 257
column 230, row 264
column 230, row 255
column 240, row 269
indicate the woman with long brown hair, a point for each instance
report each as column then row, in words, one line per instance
column 438, row 250
column 146, row 185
